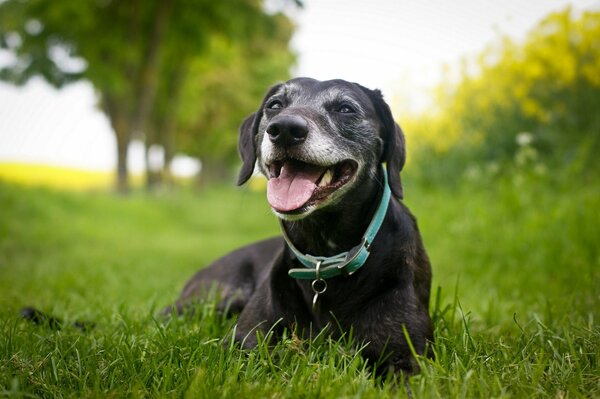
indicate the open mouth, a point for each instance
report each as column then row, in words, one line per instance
column 294, row 185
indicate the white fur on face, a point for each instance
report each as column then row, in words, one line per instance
column 317, row 149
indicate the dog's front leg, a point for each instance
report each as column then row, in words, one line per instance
column 258, row 317
column 277, row 304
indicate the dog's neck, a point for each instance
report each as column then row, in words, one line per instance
column 328, row 232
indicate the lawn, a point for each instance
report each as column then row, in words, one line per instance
column 516, row 296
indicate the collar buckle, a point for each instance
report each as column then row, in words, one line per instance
column 349, row 266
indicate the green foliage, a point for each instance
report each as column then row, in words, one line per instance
column 547, row 87
column 166, row 71
column 516, row 259
column 224, row 87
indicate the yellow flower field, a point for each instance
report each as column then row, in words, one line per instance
column 55, row 176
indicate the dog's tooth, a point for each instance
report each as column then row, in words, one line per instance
column 326, row 179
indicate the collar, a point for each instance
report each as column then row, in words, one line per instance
column 323, row 267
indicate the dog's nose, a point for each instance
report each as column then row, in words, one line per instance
column 287, row 130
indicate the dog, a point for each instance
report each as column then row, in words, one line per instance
column 350, row 256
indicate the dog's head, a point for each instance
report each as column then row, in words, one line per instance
column 318, row 141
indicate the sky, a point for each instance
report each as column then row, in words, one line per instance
column 398, row 46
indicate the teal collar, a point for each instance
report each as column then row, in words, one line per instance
column 323, row 267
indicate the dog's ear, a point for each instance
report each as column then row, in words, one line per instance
column 395, row 157
column 247, row 142
column 247, row 149
column 394, row 151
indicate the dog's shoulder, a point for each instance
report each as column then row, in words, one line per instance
column 260, row 248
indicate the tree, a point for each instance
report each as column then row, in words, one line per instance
column 209, row 97
column 548, row 86
column 133, row 52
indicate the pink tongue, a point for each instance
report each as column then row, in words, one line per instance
column 294, row 186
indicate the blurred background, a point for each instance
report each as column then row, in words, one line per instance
column 149, row 92
column 500, row 103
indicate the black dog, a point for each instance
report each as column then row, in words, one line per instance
column 323, row 147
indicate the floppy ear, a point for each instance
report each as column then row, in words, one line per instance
column 395, row 157
column 247, row 149
column 394, row 151
column 247, row 143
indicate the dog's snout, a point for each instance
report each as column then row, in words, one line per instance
column 287, row 130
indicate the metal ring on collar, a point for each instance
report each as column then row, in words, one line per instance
column 319, row 290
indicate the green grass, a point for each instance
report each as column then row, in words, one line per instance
column 516, row 315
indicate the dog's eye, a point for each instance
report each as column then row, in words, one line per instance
column 345, row 108
column 275, row 104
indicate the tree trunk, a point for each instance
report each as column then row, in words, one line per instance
column 149, row 75
column 215, row 171
column 148, row 84
column 169, row 118
column 154, row 178
column 122, row 131
column 122, row 170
